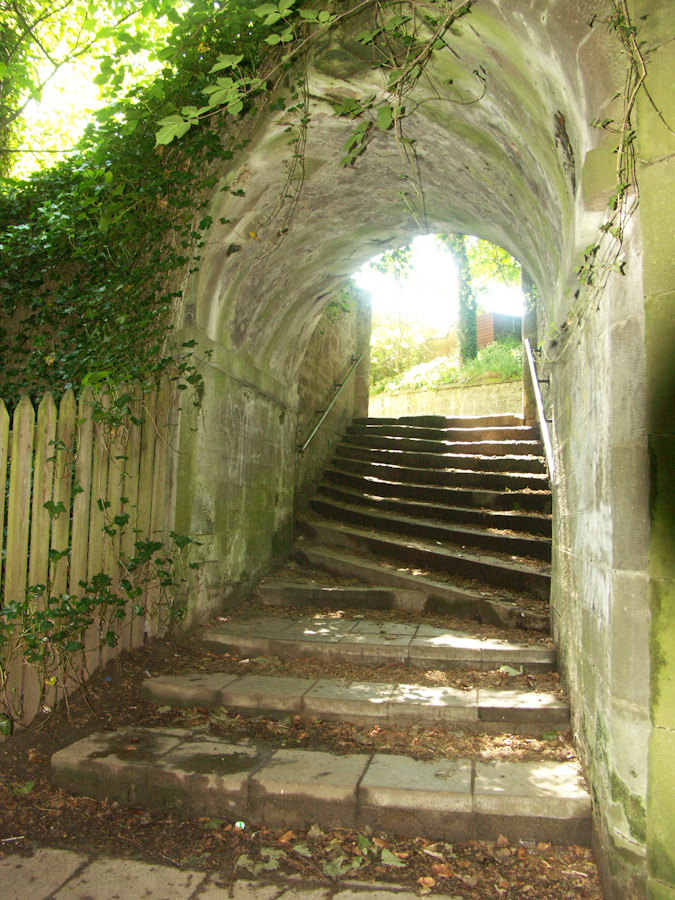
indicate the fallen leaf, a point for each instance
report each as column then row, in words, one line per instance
column 443, row 870
column 389, row 858
column 379, row 842
column 502, row 841
column 426, row 881
column 302, row 850
column 287, row 837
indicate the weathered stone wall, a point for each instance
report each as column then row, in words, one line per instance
column 600, row 613
column 340, row 337
column 451, row 400
column 235, row 479
column 656, row 146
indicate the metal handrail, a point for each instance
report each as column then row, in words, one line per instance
column 543, row 422
column 355, row 362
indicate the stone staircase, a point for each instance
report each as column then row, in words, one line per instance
column 426, row 549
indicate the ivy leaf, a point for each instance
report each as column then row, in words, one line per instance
column 390, row 859
column 273, row 39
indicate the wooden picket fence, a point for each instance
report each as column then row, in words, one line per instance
column 66, row 476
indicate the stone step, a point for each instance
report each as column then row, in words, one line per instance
column 494, row 433
column 366, row 642
column 457, row 462
column 534, row 547
column 409, row 503
column 536, row 582
column 446, row 799
column 496, row 421
column 461, row 448
column 361, row 598
column 495, row 711
column 440, row 596
column 495, row 491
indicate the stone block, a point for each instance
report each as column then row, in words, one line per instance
column 411, row 701
column 445, row 647
column 657, row 890
column 661, row 806
column 531, row 788
column 662, row 643
column 657, row 214
column 658, row 25
column 598, row 179
column 660, row 363
column 241, row 890
column 426, row 785
column 299, row 787
column 187, row 690
column 213, row 776
column 629, row 662
column 630, row 506
column 517, row 706
column 354, row 699
column 267, row 692
column 37, row 876
column 655, row 141
column 115, row 764
column 110, row 879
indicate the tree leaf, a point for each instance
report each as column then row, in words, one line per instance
column 389, row 858
column 385, row 117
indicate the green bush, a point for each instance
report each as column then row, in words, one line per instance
column 499, row 361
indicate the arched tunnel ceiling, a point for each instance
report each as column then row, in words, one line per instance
column 505, row 167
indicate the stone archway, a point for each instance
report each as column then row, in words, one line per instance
column 522, row 167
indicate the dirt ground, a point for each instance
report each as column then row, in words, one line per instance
column 35, row 813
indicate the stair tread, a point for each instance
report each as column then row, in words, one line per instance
column 318, row 696
column 445, row 526
column 447, row 594
column 368, row 641
column 452, row 797
column 492, row 559
column 505, row 464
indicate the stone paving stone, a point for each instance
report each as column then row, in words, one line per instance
column 531, row 788
column 446, row 646
column 215, row 889
column 424, row 785
column 188, row 690
column 319, row 630
column 36, row 877
column 508, row 705
column 382, row 894
column 213, row 775
column 275, row 692
column 437, row 703
column 366, row 626
column 381, row 639
column 123, row 757
column 299, row 787
column 350, row 698
column 125, row 879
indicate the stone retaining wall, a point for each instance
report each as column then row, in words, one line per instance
column 451, row 400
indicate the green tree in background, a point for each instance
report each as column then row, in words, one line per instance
column 112, row 39
column 466, row 319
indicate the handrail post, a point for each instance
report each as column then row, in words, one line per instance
column 340, row 388
column 543, row 423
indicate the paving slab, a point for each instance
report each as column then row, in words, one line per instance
column 188, row 690
column 216, row 888
column 522, row 712
column 446, row 704
column 125, row 879
column 372, row 643
column 299, row 787
column 353, row 699
column 279, row 692
column 37, row 876
column 519, row 787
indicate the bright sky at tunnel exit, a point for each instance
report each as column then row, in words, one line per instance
column 429, row 294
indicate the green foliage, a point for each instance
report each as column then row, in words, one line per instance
column 49, row 632
column 395, row 262
column 498, row 361
column 489, row 263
